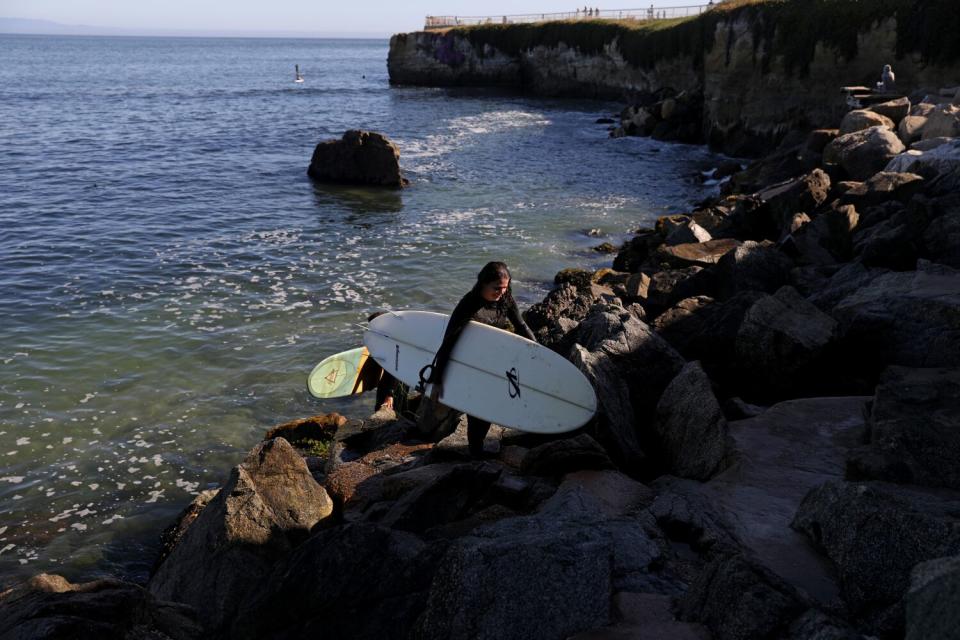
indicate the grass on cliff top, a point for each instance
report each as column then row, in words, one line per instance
column 788, row 28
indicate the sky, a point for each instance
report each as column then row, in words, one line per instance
column 378, row 18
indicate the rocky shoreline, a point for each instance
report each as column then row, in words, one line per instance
column 751, row 71
column 775, row 455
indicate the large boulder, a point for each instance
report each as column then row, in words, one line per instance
column 911, row 128
column 896, row 109
column 778, row 456
column 565, row 455
column 547, row 575
column 843, row 282
column 885, row 185
column 863, row 153
column 666, row 287
column 941, row 239
column 943, row 159
column 827, row 239
column 339, row 584
column 783, row 164
column 689, row 232
column 889, row 234
column 753, row 266
column 944, row 121
column 875, row 534
column 49, row 606
column 914, row 434
column 691, row 426
column 860, row 119
column 681, row 322
column 629, row 365
column 780, row 202
column 903, row 162
column 267, row 507
column 352, row 482
column 932, row 610
column 908, row 318
column 781, row 341
column 707, row 331
column 648, row 616
column 359, row 157
column 930, row 143
column 739, row 599
column 816, row 625
column 563, row 308
column 635, row 251
column 695, row 253
column 434, row 501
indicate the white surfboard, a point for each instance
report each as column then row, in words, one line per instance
column 492, row 374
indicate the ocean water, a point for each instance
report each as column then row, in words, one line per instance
column 169, row 275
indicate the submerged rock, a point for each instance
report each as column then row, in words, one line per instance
column 359, row 157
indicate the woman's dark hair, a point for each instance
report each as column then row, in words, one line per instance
column 493, row 272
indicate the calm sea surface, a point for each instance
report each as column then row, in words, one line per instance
column 169, row 275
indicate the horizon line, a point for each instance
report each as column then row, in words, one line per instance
column 34, row 26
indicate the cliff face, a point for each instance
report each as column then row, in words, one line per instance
column 761, row 73
column 451, row 59
column 752, row 95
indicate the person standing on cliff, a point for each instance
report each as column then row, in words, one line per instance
column 490, row 302
column 888, row 81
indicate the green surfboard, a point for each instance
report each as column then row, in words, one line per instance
column 344, row 374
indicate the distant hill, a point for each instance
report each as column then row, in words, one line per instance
column 27, row 25
column 48, row 27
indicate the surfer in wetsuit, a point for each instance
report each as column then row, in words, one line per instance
column 491, row 302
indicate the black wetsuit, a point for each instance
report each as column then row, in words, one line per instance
column 502, row 314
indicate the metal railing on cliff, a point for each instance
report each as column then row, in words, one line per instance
column 588, row 13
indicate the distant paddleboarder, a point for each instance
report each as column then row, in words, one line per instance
column 298, row 78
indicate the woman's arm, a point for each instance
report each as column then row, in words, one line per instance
column 458, row 321
column 519, row 326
